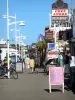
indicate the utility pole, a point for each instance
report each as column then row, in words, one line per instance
column 71, row 7
column 72, row 11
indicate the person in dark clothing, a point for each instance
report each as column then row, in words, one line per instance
column 36, row 65
column 66, row 60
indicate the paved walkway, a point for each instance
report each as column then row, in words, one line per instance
column 31, row 87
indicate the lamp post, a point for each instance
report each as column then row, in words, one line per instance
column 8, row 24
column 8, row 37
column 15, row 40
column 18, row 38
column 22, row 43
column 21, row 24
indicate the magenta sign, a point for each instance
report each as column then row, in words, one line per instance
column 56, row 75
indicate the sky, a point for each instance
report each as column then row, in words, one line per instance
column 35, row 13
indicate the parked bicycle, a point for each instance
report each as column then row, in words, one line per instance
column 4, row 70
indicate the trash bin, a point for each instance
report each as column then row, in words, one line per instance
column 19, row 67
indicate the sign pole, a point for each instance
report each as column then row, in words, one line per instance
column 49, row 21
column 55, row 34
column 49, row 84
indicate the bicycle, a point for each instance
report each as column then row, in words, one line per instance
column 12, row 70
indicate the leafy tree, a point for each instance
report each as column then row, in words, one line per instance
column 41, row 46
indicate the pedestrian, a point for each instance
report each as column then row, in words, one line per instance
column 23, row 64
column 60, row 58
column 36, row 64
column 66, row 60
column 27, row 62
column 32, row 64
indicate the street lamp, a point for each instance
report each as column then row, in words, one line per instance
column 15, row 40
column 21, row 24
column 22, row 43
column 8, row 24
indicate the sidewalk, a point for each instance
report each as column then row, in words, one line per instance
column 31, row 87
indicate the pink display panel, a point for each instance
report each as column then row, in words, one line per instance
column 56, row 75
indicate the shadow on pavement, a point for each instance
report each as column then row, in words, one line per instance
column 53, row 90
column 67, row 85
column 5, row 77
column 41, row 72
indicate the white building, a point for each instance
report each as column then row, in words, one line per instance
column 3, row 47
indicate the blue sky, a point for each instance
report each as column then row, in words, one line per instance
column 34, row 12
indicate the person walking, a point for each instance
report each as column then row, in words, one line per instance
column 36, row 64
column 60, row 59
column 27, row 62
column 66, row 60
column 32, row 64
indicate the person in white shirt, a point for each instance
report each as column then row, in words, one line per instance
column 72, row 67
column 27, row 63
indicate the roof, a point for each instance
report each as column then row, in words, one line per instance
column 3, row 46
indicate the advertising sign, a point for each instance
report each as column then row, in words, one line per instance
column 49, row 35
column 60, row 15
column 56, row 77
column 51, row 45
column 60, row 12
column 52, row 54
column 56, row 18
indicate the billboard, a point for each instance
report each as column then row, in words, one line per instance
column 49, row 35
column 60, row 15
column 60, row 12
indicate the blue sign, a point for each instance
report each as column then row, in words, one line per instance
column 51, row 45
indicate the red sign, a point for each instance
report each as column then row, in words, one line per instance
column 60, row 12
column 52, row 54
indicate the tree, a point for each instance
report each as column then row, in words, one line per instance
column 41, row 46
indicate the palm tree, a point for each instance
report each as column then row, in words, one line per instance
column 41, row 46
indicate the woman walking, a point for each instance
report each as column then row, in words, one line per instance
column 32, row 64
